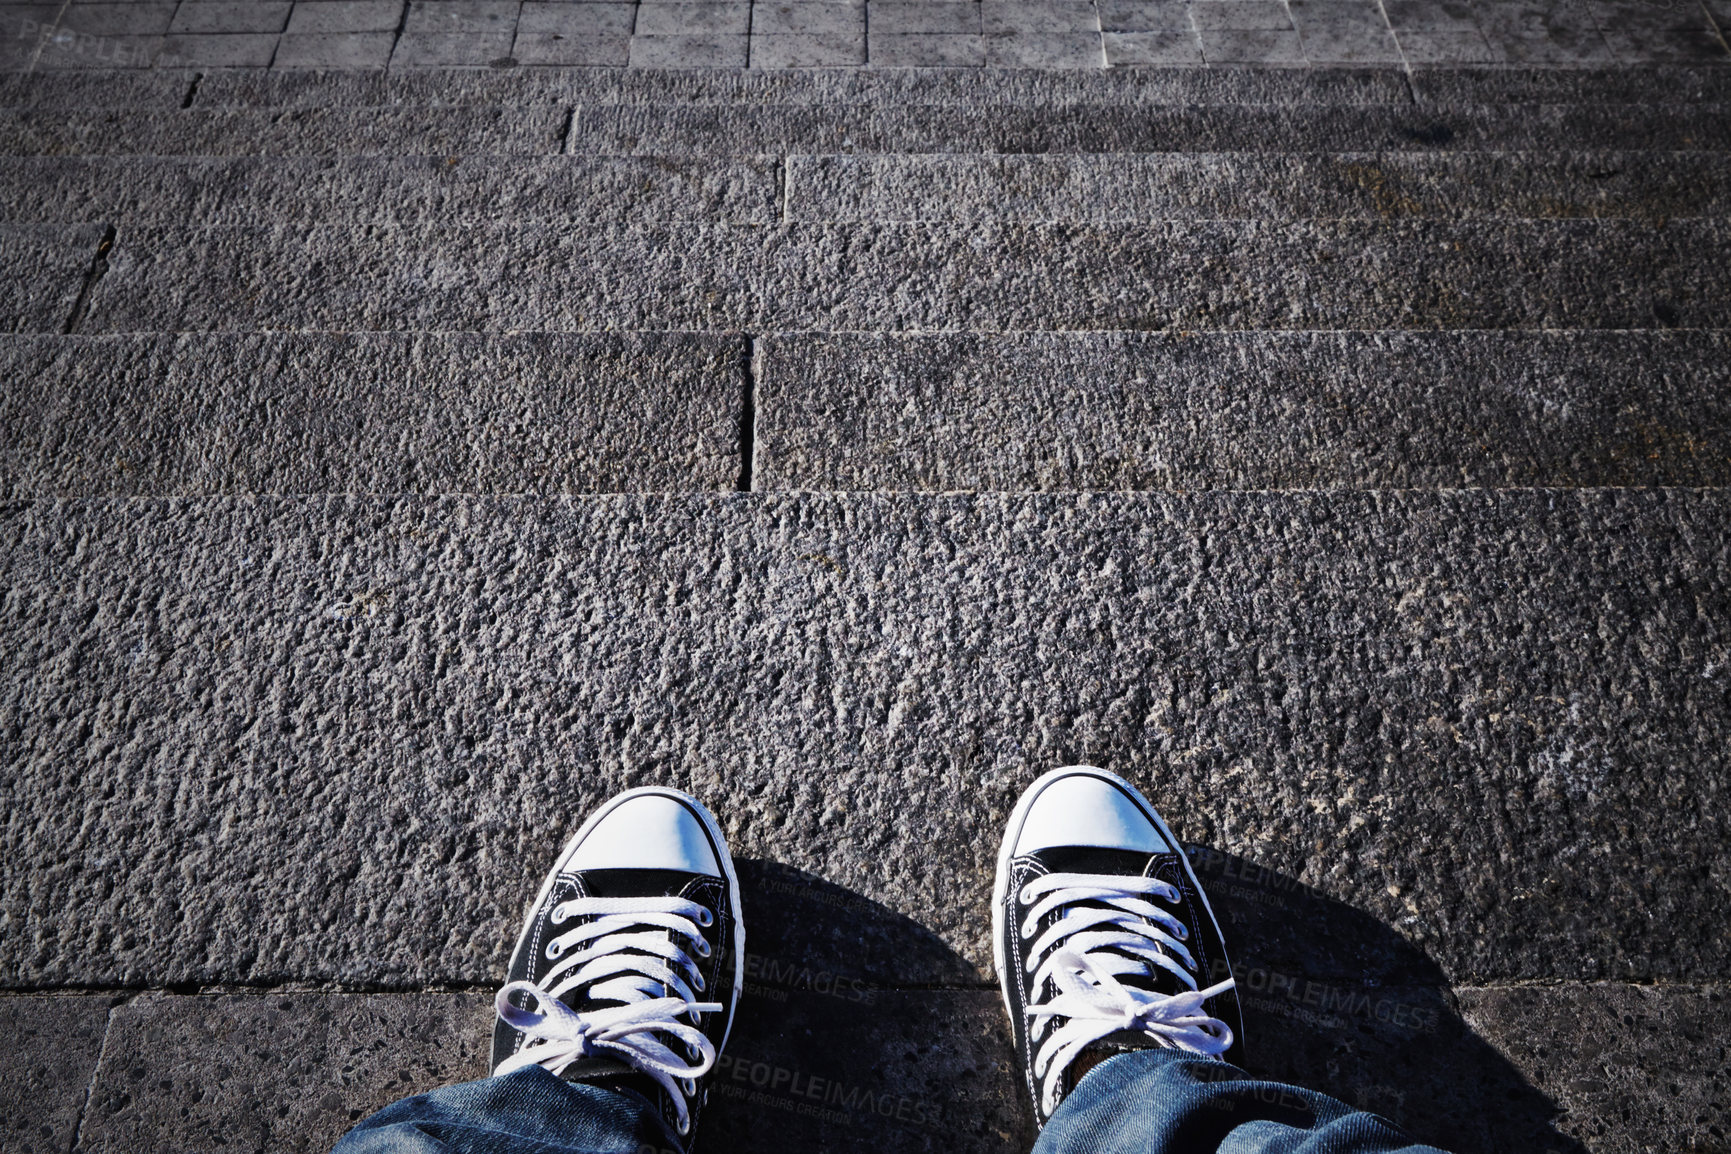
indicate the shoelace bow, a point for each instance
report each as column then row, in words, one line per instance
column 646, row 972
column 1085, row 953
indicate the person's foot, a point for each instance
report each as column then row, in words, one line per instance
column 628, row 969
column 1102, row 938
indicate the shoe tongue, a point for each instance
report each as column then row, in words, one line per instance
column 1090, row 859
column 609, row 1074
column 634, row 883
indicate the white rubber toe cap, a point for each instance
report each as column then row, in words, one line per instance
column 646, row 831
column 1083, row 806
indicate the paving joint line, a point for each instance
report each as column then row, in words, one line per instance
column 396, row 38
column 748, row 417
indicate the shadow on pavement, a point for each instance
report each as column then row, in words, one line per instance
column 1337, row 1001
column 859, row 1029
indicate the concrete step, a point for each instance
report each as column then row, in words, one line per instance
column 1284, row 186
column 1418, row 739
column 44, row 271
column 867, row 1069
column 428, row 131
column 1181, row 275
column 744, row 129
column 321, row 412
column 1242, row 410
column 1541, row 85
column 721, row 129
column 152, row 415
column 1130, row 188
column 961, row 87
column 1140, row 86
column 392, row 189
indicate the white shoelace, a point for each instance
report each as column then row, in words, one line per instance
column 1087, row 950
column 646, row 971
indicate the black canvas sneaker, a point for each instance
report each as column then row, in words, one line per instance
column 1101, row 935
column 628, row 970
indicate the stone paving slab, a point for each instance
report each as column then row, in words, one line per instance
column 1181, row 275
column 715, row 130
column 425, row 413
column 969, row 88
column 1662, row 1081
column 43, row 272
column 721, row 130
column 291, row 1071
column 274, row 1071
column 1653, row 186
column 1046, row 34
column 929, row 86
column 390, row 190
column 1656, row 85
column 918, row 86
column 49, row 1045
column 307, row 132
column 1473, row 736
column 814, row 1061
column 1284, row 186
column 1242, row 411
column 125, row 88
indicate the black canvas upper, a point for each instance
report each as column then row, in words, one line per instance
column 1203, row 942
column 529, row 962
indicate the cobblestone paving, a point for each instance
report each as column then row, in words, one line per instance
column 323, row 34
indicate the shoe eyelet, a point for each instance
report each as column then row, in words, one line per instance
column 1025, row 897
column 704, row 917
column 553, row 951
column 684, row 1127
column 701, row 984
column 1028, row 928
column 689, row 1085
column 1183, row 932
column 703, row 950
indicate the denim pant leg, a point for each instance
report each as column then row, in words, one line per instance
column 528, row 1112
column 1172, row 1102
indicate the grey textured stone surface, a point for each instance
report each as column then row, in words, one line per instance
column 274, row 1071
column 720, row 129
column 1243, row 411
column 1184, row 275
column 1493, row 721
column 66, row 90
column 996, row 88
column 1658, row 85
column 1283, row 186
column 917, row 1070
column 389, row 190
column 322, row 50
column 315, row 132
column 48, row 1051
column 920, row 1070
column 380, row 413
column 1657, row 1081
column 43, row 271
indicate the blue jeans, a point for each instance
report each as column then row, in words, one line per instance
column 1145, row 1102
